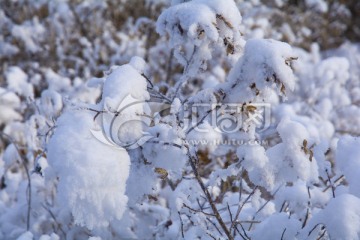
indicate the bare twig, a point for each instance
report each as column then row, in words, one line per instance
column 207, row 194
column 148, row 80
column 185, row 78
column 211, row 235
column 166, row 143
column 241, row 207
column 314, row 228
column 241, row 184
column 198, row 211
column 242, row 227
column 192, row 159
column 200, row 122
column 283, row 206
column 283, row 234
column 262, row 207
column 336, row 181
column 247, row 221
column 330, row 182
column 23, row 162
column 251, row 224
column 322, row 235
column 214, row 225
column 237, row 230
column 54, row 218
column 98, row 112
column 159, row 95
column 182, row 225
column 306, row 218
column 168, row 69
column 228, row 207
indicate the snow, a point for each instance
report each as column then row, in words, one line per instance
column 159, row 154
column 9, row 103
column 289, row 158
column 319, row 5
column 53, row 236
column 274, row 227
column 17, row 81
column 117, row 85
column 124, row 94
column 255, row 161
column 348, row 161
column 189, row 15
column 96, row 112
column 196, row 28
column 138, row 63
column 92, row 176
column 51, row 103
column 336, row 218
column 284, row 162
column 175, row 106
column 264, row 64
column 57, row 82
column 26, row 236
column 29, row 34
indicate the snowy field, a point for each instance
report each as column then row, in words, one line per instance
column 179, row 119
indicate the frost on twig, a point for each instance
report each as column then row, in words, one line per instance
column 195, row 28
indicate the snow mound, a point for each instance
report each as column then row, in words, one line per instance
column 92, row 175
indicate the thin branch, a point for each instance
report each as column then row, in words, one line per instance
column 148, row 80
column 201, row 206
column 237, row 230
column 182, row 81
column 211, row 235
column 241, row 184
column 23, row 161
column 203, row 188
column 247, row 221
column 182, row 225
column 98, row 112
column 262, row 207
column 314, row 228
column 322, row 235
column 201, row 121
column 228, row 207
column 208, row 196
column 214, row 225
column 241, row 207
column 283, row 206
column 251, row 224
column 166, row 143
column 243, row 230
column 283, row 234
column 160, row 95
column 330, row 182
column 306, row 218
column 54, row 218
column 336, row 181
column 168, row 69
column 198, row 211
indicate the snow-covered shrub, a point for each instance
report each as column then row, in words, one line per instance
column 203, row 130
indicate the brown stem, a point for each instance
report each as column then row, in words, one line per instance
column 23, row 162
column 208, row 196
column 241, row 206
